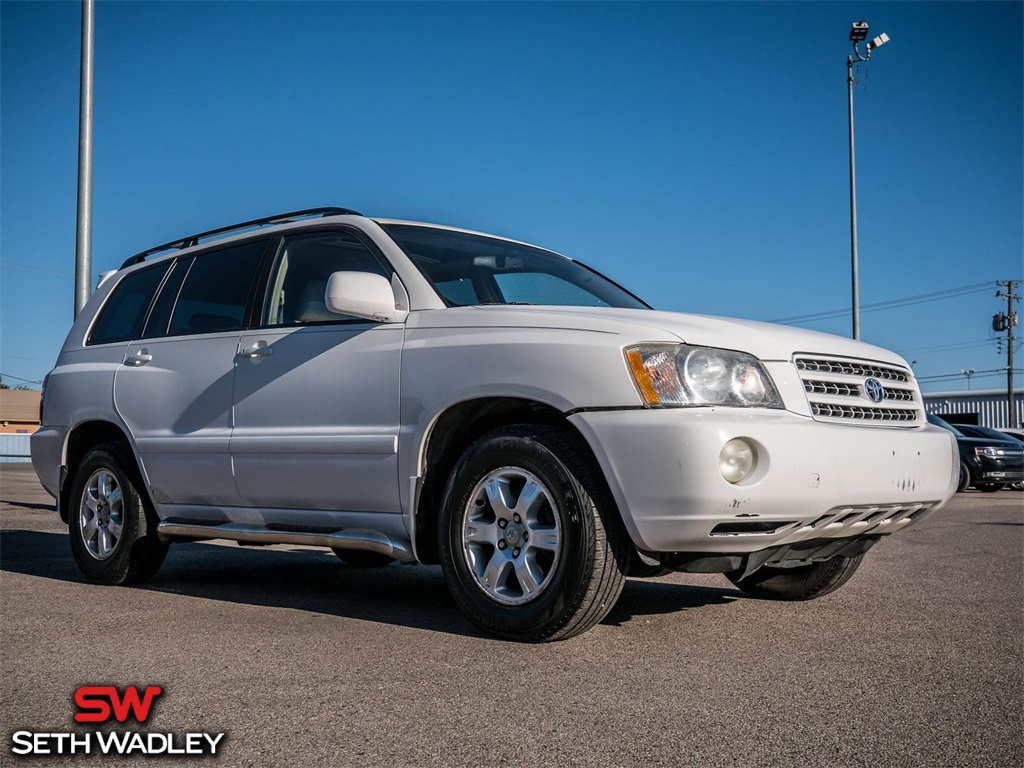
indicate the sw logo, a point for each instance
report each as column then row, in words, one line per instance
column 103, row 704
column 97, row 703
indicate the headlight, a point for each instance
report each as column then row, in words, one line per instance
column 681, row 375
column 992, row 453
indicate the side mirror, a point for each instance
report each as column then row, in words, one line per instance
column 363, row 294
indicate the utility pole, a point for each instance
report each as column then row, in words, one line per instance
column 83, row 228
column 1008, row 322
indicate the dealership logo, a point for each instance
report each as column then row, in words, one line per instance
column 874, row 391
column 103, row 704
column 98, row 703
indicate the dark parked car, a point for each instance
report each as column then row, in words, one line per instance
column 987, row 463
column 1014, row 433
column 972, row 430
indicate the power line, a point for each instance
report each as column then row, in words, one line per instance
column 18, row 378
column 19, row 265
column 892, row 303
column 976, row 374
column 945, row 347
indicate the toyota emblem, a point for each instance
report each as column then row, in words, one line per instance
column 874, row 391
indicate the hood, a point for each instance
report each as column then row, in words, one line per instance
column 766, row 341
column 981, row 442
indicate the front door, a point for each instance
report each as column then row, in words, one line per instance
column 316, row 395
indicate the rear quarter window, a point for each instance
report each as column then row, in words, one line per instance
column 124, row 313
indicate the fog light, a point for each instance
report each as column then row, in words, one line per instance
column 737, row 460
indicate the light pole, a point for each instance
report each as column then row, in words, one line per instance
column 83, row 228
column 858, row 34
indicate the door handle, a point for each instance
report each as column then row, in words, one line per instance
column 257, row 350
column 139, row 358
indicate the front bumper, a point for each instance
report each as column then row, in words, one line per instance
column 813, row 480
column 998, row 470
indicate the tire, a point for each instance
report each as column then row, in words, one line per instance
column 806, row 582
column 111, row 524
column 989, row 487
column 965, row 478
column 531, row 545
column 362, row 558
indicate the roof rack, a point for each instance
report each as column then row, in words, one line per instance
column 281, row 218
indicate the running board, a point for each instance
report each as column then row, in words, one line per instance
column 370, row 541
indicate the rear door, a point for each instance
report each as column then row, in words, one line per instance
column 316, row 395
column 175, row 385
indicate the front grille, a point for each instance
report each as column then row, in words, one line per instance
column 831, row 388
column 851, row 368
column 836, row 392
column 860, row 412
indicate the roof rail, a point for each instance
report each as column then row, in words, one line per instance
column 281, row 218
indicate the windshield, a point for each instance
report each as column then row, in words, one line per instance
column 933, row 419
column 470, row 269
column 992, row 434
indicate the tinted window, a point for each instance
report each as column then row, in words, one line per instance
column 160, row 315
column 216, row 290
column 298, row 281
column 939, row 422
column 123, row 315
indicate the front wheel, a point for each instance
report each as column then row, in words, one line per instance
column 112, row 527
column 805, row 582
column 531, row 545
column 965, row 478
column 989, row 487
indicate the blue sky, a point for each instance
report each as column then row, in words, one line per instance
column 695, row 152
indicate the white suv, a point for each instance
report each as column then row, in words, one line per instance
column 411, row 392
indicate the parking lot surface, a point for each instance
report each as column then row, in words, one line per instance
column 301, row 660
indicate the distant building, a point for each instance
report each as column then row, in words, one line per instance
column 984, row 407
column 19, row 411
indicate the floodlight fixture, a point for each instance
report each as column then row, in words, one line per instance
column 858, row 31
column 878, row 42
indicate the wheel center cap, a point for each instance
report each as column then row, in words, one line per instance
column 514, row 534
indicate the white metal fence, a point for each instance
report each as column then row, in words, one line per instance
column 14, row 449
column 987, row 407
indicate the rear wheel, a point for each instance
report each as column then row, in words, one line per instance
column 531, row 545
column 805, row 582
column 112, row 526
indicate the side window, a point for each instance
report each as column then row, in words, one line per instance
column 298, row 281
column 124, row 314
column 160, row 315
column 216, row 289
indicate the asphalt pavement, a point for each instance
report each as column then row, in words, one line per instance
column 301, row 660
